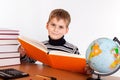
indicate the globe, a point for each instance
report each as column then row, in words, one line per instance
column 103, row 56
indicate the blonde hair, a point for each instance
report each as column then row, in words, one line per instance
column 60, row 14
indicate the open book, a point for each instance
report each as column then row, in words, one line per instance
column 55, row 59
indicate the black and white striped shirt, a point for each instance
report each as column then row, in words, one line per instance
column 67, row 47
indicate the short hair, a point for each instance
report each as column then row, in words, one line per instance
column 60, row 14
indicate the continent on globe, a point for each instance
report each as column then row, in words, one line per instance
column 95, row 51
column 117, row 58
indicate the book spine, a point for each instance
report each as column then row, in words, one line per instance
column 9, row 61
column 9, row 48
column 9, row 55
column 9, row 34
column 7, row 42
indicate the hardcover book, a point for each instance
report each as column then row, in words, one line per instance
column 8, row 31
column 8, row 42
column 8, row 34
column 9, row 48
column 56, row 59
column 9, row 55
column 9, row 61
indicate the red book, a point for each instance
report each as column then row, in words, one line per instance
column 55, row 59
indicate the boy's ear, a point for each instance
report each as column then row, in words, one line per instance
column 46, row 26
column 67, row 30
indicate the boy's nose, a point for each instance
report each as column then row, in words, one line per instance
column 56, row 29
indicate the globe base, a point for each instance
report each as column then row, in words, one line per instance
column 90, row 78
column 98, row 78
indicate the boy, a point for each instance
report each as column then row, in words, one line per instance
column 57, row 27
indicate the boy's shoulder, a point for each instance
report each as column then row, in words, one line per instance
column 68, row 44
column 45, row 42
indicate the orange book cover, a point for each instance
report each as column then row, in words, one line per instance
column 55, row 59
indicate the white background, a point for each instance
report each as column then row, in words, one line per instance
column 91, row 19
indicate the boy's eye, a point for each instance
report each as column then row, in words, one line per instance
column 53, row 24
column 60, row 27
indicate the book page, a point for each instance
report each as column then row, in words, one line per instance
column 35, row 43
column 61, row 53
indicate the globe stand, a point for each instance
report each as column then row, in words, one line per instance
column 99, row 74
column 98, row 78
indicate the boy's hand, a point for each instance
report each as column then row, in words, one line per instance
column 88, row 70
column 22, row 51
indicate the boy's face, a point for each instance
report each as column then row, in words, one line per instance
column 57, row 28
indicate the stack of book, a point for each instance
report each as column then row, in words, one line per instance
column 9, row 44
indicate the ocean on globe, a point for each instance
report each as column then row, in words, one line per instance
column 103, row 55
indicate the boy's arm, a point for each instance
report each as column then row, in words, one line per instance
column 27, row 59
column 24, row 57
column 88, row 70
column 77, row 51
